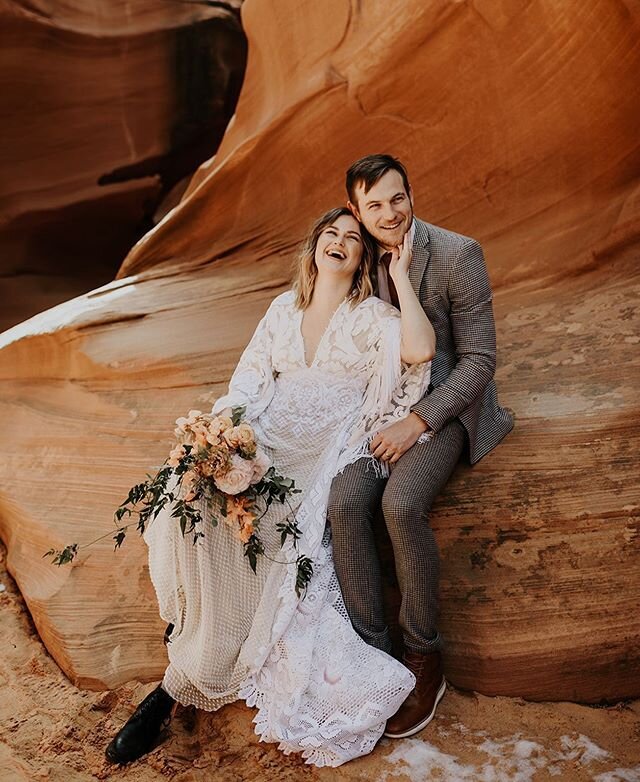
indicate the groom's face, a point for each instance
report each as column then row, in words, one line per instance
column 386, row 211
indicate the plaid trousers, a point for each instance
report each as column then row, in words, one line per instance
column 406, row 498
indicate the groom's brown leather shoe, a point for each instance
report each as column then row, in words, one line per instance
column 420, row 706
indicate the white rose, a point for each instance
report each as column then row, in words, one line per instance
column 261, row 463
column 238, row 478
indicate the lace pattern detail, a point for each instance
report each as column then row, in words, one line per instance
column 319, row 689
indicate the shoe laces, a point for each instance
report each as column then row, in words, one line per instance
column 414, row 662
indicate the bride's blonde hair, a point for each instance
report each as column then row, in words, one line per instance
column 305, row 270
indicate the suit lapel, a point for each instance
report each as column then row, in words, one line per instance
column 421, row 255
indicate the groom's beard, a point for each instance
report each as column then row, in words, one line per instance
column 387, row 239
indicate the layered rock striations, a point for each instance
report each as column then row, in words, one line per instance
column 106, row 108
column 518, row 126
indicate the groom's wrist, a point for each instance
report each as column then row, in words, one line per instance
column 421, row 425
column 430, row 409
column 424, row 431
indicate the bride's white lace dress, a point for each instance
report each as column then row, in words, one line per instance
column 318, row 687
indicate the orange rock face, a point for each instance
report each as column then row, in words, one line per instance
column 106, row 106
column 519, row 127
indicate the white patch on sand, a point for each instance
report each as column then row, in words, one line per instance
column 582, row 749
column 619, row 775
column 511, row 759
column 63, row 315
column 418, row 759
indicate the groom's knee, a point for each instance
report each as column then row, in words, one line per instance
column 404, row 509
column 346, row 511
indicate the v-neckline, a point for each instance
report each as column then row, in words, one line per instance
column 321, row 340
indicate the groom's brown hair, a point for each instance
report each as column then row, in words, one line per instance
column 368, row 170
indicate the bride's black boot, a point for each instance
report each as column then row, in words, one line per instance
column 167, row 634
column 138, row 735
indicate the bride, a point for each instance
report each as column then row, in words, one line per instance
column 328, row 366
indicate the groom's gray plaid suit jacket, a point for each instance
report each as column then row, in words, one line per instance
column 449, row 276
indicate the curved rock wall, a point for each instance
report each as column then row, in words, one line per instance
column 518, row 125
column 106, row 107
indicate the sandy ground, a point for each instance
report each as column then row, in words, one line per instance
column 50, row 730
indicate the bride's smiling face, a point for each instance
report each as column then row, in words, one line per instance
column 339, row 247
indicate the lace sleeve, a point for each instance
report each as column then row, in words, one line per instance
column 392, row 387
column 252, row 382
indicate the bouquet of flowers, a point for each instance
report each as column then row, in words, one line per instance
column 218, row 466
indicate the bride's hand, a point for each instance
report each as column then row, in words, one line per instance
column 401, row 258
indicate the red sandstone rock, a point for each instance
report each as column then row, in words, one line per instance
column 105, row 106
column 518, row 126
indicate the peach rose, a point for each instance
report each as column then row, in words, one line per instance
column 241, row 436
column 238, row 478
column 184, row 426
column 176, row 454
column 213, row 438
column 200, row 435
column 261, row 464
column 216, row 427
column 225, row 422
column 191, row 418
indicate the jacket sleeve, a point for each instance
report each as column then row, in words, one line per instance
column 474, row 337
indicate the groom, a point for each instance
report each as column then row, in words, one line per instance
column 461, row 408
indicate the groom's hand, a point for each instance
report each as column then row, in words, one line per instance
column 390, row 443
